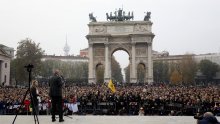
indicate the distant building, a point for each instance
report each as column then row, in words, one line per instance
column 213, row 57
column 157, row 56
column 6, row 54
column 9, row 50
column 84, row 52
column 65, row 58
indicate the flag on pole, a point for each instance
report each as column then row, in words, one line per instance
column 111, row 86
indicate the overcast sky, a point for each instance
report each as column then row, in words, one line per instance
column 180, row 26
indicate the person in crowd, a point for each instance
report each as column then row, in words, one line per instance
column 2, row 106
column 156, row 100
column 141, row 111
column 208, row 118
column 35, row 97
column 55, row 94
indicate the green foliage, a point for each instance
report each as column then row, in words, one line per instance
column 13, row 72
column 73, row 72
column 47, row 68
column 77, row 72
column 161, row 71
column 116, row 71
column 208, row 69
column 188, row 69
column 127, row 74
column 175, row 78
column 28, row 52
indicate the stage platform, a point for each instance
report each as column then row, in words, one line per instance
column 27, row 119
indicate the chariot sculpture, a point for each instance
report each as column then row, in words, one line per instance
column 119, row 15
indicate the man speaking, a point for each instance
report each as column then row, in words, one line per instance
column 55, row 94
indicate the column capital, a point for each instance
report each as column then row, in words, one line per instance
column 90, row 44
column 149, row 44
column 106, row 44
column 133, row 43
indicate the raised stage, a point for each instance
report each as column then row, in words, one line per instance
column 27, row 119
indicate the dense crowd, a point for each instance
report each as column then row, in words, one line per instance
column 127, row 100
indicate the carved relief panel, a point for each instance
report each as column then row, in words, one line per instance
column 98, row 60
column 99, row 51
column 98, row 29
column 141, row 28
column 140, row 51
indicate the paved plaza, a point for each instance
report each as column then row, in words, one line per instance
column 27, row 119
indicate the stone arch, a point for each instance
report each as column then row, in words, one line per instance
column 125, row 36
column 120, row 47
column 141, row 72
column 99, row 71
column 126, row 59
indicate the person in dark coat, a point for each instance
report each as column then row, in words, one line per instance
column 35, row 95
column 55, row 94
column 208, row 118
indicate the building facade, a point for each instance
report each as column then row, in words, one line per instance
column 65, row 58
column 6, row 54
column 213, row 57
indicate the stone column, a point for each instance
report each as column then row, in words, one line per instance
column 1, row 69
column 133, row 65
column 91, row 68
column 150, row 64
column 107, row 66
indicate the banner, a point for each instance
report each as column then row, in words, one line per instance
column 111, row 86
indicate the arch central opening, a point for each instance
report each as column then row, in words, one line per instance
column 119, row 65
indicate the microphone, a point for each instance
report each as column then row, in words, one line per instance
column 62, row 77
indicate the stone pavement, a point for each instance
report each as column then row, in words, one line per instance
column 27, row 119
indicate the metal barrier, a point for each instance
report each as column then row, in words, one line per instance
column 109, row 108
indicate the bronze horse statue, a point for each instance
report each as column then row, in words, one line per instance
column 92, row 18
column 147, row 16
column 119, row 16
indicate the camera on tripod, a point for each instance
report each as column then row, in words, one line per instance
column 29, row 67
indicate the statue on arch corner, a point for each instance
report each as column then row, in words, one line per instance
column 147, row 16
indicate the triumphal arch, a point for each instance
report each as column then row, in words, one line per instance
column 120, row 32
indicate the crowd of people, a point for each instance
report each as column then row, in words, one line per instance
column 127, row 100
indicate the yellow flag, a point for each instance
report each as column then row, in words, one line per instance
column 111, row 86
